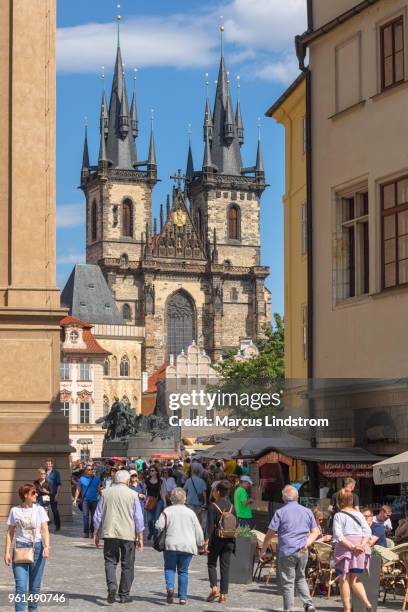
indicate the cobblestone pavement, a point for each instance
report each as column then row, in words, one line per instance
column 76, row 568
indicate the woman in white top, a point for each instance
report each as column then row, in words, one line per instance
column 183, row 538
column 28, row 522
column 351, row 534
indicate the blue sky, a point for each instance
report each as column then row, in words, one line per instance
column 173, row 44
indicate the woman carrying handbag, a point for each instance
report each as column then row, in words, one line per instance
column 155, row 499
column 28, row 522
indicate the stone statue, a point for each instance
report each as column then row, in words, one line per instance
column 160, row 405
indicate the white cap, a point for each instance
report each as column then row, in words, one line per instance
column 246, row 478
column 132, row 472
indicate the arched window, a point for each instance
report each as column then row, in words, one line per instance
column 124, row 366
column 114, row 368
column 94, row 220
column 233, row 222
column 127, row 218
column 180, row 323
column 126, row 312
column 106, row 367
column 106, row 406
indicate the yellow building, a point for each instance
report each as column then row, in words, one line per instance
column 290, row 111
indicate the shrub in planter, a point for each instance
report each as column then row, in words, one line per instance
column 242, row 562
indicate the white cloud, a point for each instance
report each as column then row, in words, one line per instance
column 259, row 31
column 71, row 258
column 284, row 70
column 269, row 25
column 70, row 215
column 147, row 41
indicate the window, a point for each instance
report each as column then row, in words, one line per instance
column 85, row 454
column 124, row 366
column 352, row 256
column 65, row 407
column 392, row 53
column 304, row 329
column 124, row 259
column 74, row 336
column 193, row 413
column 106, row 367
column 84, row 371
column 94, row 221
column 233, row 223
column 303, row 237
column 234, row 294
column 127, row 221
column 394, row 205
column 126, row 312
column 84, row 413
column 211, row 414
column 64, row 371
column 180, row 323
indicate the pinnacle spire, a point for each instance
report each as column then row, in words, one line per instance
column 259, row 166
column 208, row 119
column 207, row 161
column 229, row 132
column 104, row 117
column 102, row 149
column 85, row 155
column 239, row 124
column 152, row 150
column 190, row 163
column 133, row 110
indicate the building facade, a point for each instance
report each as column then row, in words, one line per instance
column 88, row 298
column 196, row 274
column 358, row 185
column 82, row 387
column 31, row 425
column 290, row 111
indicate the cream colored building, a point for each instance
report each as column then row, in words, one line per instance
column 82, row 387
column 358, row 73
column 32, row 427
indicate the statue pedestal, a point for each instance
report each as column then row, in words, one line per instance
column 141, row 444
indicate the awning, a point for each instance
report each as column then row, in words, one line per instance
column 331, row 455
column 254, row 443
column 392, row 471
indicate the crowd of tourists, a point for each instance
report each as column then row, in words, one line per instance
column 186, row 508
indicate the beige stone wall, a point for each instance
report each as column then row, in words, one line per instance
column 108, row 195
column 364, row 336
column 324, row 11
column 32, row 427
column 120, row 341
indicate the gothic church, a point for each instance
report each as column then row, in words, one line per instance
column 196, row 273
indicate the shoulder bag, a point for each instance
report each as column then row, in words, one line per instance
column 159, row 541
column 25, row 554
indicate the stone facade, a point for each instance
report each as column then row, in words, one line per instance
column 31, row 425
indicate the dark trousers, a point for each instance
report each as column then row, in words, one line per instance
column 55, row 513
column 222, row 550
column 113, row 551
column 88, row 511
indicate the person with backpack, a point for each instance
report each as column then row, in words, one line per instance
column 220, row 539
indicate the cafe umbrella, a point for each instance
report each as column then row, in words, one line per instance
column 393, row 470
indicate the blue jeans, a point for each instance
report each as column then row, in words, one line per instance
column 28, row 576
column 153, row 516
column 177, row 561
column 88, row 511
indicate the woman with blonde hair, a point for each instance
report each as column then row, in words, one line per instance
column 351, row 534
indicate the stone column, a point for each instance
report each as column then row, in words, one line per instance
column 31, row 426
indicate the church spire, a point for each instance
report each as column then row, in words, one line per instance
column 225, row 146
column 208, row 121
column 133, row 110
column 259, row 165
column 208, row 165
column 152, row 150
column 190, row 163
column 120, row 143
column 85, row 155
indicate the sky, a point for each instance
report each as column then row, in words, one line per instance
column 173, row 44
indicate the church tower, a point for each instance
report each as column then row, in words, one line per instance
column 118, row 193
column 225, row 206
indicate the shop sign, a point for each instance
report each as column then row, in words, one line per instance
column 343, row 470
column 274, row 457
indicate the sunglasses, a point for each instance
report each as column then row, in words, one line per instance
column 33, row 493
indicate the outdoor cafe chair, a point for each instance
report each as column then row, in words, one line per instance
column 270, row 557
column 324, row 571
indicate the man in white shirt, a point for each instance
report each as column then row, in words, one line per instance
column 384, row 517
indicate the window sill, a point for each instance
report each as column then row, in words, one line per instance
column 352, row 301
column 349, row 109
column 389, row 291
column 385, row 92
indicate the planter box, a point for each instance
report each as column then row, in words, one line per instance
column 371, row 583
column 242, row 563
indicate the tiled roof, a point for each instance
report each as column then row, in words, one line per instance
column 159, row 374
column 92, row 345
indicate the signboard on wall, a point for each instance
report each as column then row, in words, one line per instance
column 343, row 470
column 274, row 457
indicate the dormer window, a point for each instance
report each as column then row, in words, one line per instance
column 73, row 336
